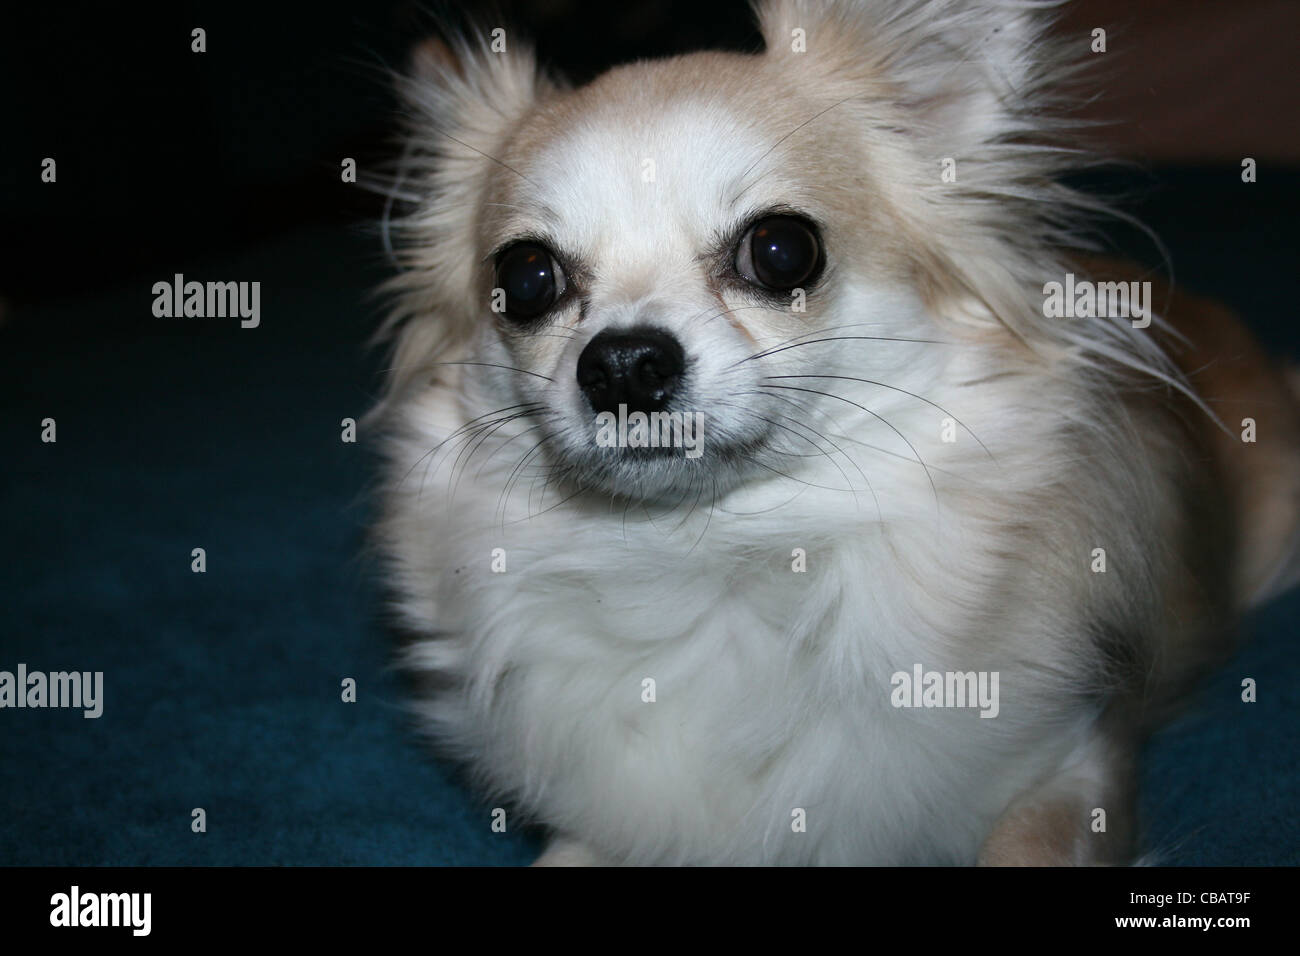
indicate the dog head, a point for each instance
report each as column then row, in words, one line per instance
column 715, row 264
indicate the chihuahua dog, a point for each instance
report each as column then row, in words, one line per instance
column 770, row 475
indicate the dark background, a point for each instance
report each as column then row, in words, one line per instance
column 222, row 689
column 163, row 151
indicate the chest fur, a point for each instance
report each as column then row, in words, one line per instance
column 735, row 701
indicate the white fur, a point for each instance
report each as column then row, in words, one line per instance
column 772, row 687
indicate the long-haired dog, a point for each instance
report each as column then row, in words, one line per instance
column 768, row 477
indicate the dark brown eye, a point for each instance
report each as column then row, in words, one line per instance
column 779, row 253
column 530, row 278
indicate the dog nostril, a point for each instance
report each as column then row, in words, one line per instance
column 637, row 368
column 650, row 372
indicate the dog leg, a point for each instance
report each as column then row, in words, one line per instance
column 1082, row 816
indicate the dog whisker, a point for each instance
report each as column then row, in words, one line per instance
column 782, row 140
column 921, row 398
column 933, row 487
column 431, row 365
column 468, row 425
column 839, row 338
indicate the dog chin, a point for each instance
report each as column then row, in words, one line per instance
column 654, row 474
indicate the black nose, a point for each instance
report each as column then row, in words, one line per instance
column 639, row 368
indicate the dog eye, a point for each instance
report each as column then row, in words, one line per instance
column 531, row 279
column 779, row 253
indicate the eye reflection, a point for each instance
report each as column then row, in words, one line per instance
column 779, row 253
column 530, row 278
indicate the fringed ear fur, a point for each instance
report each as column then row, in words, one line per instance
column 461, row 99
column 962, row 69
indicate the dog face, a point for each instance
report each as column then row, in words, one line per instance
column 662, row 282
column 707, row 268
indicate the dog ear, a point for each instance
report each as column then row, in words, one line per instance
column 432, row 58
column 462, row 101
column 462, row 98
column 962, row 70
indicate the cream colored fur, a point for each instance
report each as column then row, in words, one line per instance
column 772, row 685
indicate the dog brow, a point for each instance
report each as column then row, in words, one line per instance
column 751, row 166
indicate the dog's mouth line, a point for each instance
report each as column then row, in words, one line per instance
column 723, row 462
